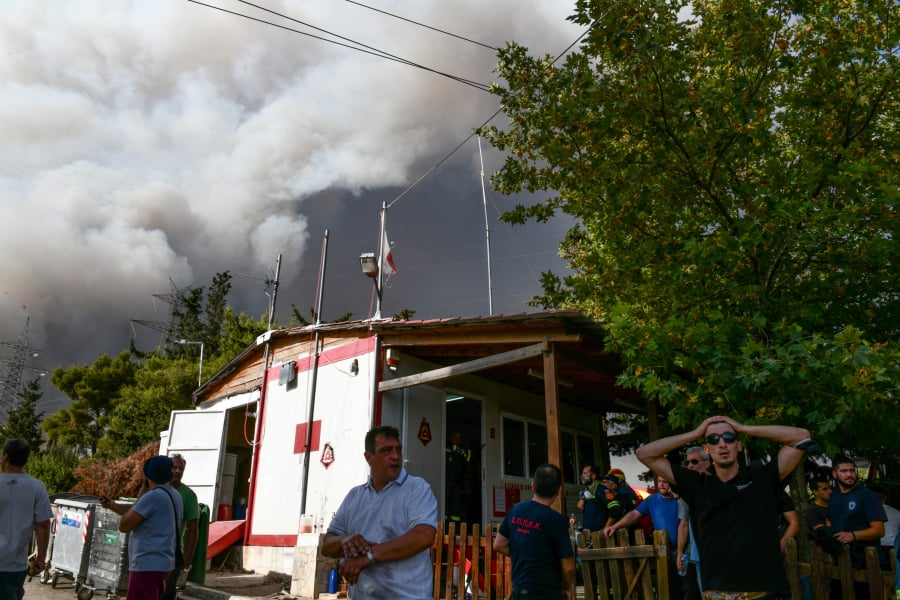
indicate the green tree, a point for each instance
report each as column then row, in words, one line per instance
column 216, row 305
column 143, row 408
column 93, row 390
column 55, row 467
column 24, row 420
column 734, row 177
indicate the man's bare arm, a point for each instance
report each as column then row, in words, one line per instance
column 568, row 578
column 654, row 454
column 683, row 533
column 788, row 457
column 409, row 544
column 875, row 531
column 501, row 544
column 42, row 537
column 793, row 528
column 190, row 541
column 630, row 517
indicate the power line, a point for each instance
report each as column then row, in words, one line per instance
column 384, row 12
column 359, row 47
column 477, row 129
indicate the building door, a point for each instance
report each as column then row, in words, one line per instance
column 464, row 471
column 199, row 436
column 423, row 443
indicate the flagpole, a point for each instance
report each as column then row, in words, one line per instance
column 379, row 280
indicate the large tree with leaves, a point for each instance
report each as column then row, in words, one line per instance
column 94, row 390
column 734, row 169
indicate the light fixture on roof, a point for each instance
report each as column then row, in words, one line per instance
column 369, row 264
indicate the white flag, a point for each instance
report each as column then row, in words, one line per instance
column 387, row 258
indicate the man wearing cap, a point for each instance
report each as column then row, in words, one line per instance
column 733, row 508
column 152, row 523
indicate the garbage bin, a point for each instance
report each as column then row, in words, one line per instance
column 73, row 529
column 108, row 563
column 198, row 565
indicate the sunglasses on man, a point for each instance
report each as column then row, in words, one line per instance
column 729, row 436
column 693, row 461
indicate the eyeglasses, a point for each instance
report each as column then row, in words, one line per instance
column 729, row 436
column 694, row 461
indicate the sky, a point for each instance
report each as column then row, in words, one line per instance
column 148, row 146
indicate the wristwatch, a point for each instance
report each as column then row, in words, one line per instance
column 370, row 556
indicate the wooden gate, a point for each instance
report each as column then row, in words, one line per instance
column 614, row 568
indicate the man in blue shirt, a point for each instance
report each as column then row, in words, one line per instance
column 537, row 539
column 152, row 524
column 857, row 515
column 385, row 527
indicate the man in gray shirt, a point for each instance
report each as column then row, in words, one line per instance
column 25, row 507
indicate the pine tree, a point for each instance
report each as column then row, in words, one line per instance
column 23, row 420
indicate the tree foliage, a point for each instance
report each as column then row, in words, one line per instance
column 94, row 390
column 733, row 169
column 56, row 467
column 121, row 404
column 23, row 420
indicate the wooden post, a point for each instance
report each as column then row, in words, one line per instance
column 551, row 400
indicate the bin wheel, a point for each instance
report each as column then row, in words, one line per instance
column 54, row 580
column 85, row 593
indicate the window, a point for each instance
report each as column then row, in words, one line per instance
column 513, row 448
column 525, row 447
column 570, row 461
column 537, row 447
column 586, row 450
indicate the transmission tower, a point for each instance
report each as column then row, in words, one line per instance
column 175, row 300
column 12, row 382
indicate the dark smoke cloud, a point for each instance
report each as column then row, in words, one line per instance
column 150, row 143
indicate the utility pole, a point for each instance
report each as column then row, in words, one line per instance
column 12, row 382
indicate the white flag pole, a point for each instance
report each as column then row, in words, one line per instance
column 487, row 233
column 379, row 281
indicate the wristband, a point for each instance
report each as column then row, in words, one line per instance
column 808, row 445
column 853, row 533
column 370, row 556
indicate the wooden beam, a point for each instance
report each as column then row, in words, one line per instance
column 462, row 368
column 551, row 401
column 460, row 338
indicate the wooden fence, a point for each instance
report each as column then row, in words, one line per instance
column 820, row 575
column 614, row 568
column 464, row 560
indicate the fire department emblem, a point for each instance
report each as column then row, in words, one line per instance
column 425, row 432
column 327, row 455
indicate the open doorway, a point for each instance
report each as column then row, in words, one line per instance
column 463, row 473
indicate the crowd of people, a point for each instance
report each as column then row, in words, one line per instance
column 162, row 526
column 728, row 522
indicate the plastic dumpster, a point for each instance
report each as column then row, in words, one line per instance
column 108, row 564
column 73, row 528
column 198, row 565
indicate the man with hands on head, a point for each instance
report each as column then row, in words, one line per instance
column 732, row 509
column 386, row 526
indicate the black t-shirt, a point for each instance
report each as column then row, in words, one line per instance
column 734, row 527
column 815, row 516
column 538, row 541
